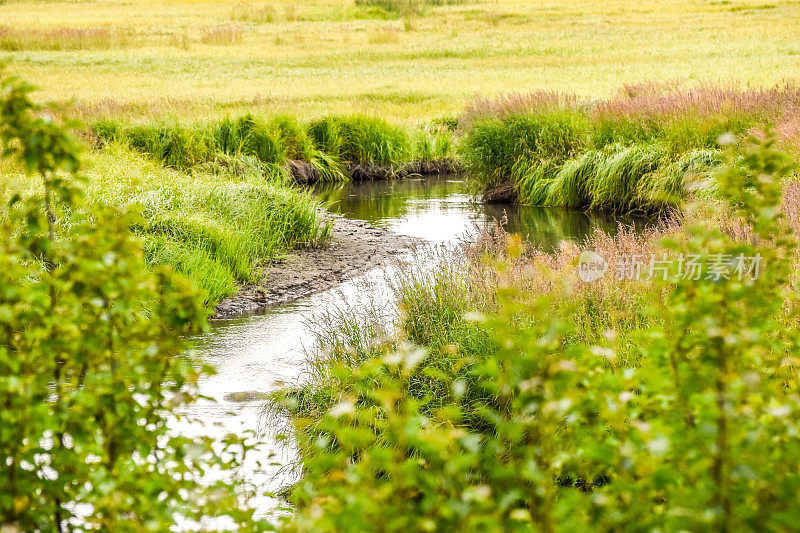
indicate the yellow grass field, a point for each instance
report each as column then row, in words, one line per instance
column 312, row 57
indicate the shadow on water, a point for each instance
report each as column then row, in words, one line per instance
column 441, row 209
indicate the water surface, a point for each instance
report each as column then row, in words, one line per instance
column 441, row 209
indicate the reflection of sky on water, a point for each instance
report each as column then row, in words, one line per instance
column 260, row 354
column 441, row 210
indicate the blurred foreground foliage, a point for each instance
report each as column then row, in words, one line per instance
column 93, row 368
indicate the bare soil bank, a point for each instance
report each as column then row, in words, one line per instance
column 356, row 247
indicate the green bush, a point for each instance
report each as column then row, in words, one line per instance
column 92, row 364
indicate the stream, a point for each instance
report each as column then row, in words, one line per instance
column 259, row 354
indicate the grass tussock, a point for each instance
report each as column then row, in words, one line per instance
column 385, row 35
column 361, row 139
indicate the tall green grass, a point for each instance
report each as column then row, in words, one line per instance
column 247, row 135
column 433, row 146
column 491, row 148
column 361, row 139
column 329, row 144
column 616, row 175
column 435, row 302
column 601, row 155
column 216, row 229
column 616, row 178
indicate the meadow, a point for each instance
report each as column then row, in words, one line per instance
column 410, row 64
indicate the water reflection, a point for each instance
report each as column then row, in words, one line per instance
column 440, row 209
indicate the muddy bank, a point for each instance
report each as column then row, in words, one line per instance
column 505, row 193
column 356, row 247
column 304, row 172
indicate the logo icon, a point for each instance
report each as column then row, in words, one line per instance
column 591, row 266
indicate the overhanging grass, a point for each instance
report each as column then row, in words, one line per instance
column 216, row 229
column 328, row 144
column 642, row 152
column 613, row 183
column 616, row 178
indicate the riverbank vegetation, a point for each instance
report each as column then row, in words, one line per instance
column 511, row 394
column 329, row 149
column 646, row 150
column 216, row 228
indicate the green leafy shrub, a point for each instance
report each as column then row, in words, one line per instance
column 92, row 364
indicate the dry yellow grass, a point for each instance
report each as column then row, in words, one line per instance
column 321, row 56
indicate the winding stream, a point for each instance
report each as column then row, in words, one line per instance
column 261, row 353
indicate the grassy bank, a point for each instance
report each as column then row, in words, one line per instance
column 215, row 225
column 508, row 392
column 646, row 149
column 329, row 149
